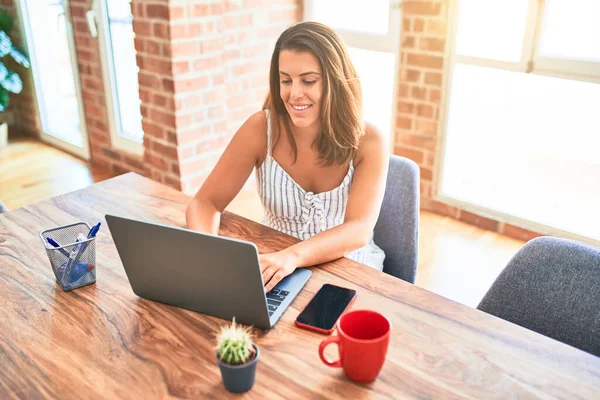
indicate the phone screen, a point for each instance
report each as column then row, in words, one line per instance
column 326, row 307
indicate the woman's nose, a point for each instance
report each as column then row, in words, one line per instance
column 297, row 92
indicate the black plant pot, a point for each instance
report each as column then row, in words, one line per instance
column 239, row 378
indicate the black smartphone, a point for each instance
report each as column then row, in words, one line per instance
column 325, row 308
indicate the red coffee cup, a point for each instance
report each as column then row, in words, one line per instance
column 362, row 337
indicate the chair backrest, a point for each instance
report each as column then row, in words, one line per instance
column 396, row 231
column 551, row 286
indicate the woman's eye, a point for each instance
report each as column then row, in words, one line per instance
column 285, row 82
column 310, row 82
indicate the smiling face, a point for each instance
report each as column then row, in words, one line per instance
column 301, row 87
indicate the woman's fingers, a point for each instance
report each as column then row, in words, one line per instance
column 275, row 279
column 267, row 274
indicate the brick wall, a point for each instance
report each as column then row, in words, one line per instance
column 420, row 101
column 203, row 70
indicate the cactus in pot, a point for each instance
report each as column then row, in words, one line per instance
column 237, row 357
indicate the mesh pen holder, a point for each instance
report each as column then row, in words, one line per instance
column 73, row 263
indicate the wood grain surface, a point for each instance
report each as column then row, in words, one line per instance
column 102, row 341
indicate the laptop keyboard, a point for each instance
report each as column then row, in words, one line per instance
column 274, row 299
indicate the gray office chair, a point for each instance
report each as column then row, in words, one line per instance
column 2, row 207
column 551, row 286
column 396, row 231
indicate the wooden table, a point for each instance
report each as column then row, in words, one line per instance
column 102, row 341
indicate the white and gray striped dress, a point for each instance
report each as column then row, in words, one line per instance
column 292, row 210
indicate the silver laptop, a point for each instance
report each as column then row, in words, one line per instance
column 214, row 275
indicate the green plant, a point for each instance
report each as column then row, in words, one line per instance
column 234, row 344
column 10, row 81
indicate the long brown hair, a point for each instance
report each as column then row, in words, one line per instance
column 342, row 125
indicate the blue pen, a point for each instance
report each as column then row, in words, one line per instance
column 53, row 243
column 76, row 253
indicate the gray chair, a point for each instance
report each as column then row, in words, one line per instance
column 396, row 231
column 551, row 286
column 3, row 207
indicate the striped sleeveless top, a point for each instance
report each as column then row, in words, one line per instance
column 292, row 210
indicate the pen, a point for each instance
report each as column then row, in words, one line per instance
column 76, row 253
column 55, row 244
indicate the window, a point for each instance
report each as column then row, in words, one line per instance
column 120, row 72
column 522, row 121
column 371, row 32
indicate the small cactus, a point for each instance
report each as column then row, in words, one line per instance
column 234, row 344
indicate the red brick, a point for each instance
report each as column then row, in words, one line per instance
column 477, row 220
column 185, row 49
column 424, row 111
column 405, row 107
column 432, row 44
column 419, row 93
column 157, row 11
column 200, row 10
column 435, row 96
column 214, row 97
column 403, row 123
column 519, row 233
column 444, row 209
column 422, row 60
column 209, row 63
column 421, row 8
column 165, row 118
column 181, row 67
column 195, row 166
column 408, row 42
column 216, row 112
column 193, row 101
column 426, row 127
column 426, row 174
column 168, row 152
column 433, row 78
column 245, row 19
column 158, row 65
column 141, row 28
column 191, row 84
column 183, row 121
column 415, row 155
column 161, row 30
column 426, row 189
column 176, row 12
column 212, row 45
column 436, row 27
column 410, row 75
column 403, row 90
column 419, row 25
column 419, row 141
column 152, row 130
column 406, row 24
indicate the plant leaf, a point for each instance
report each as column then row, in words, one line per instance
column 6, row 22
column 19, row 57
column 3, row 99
column 5, row 44
column 12, row 83
column 3, row 71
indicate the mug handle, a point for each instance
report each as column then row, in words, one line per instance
column 325, row 343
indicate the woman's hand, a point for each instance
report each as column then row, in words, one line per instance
column 276, row 266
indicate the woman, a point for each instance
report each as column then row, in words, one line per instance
column 320, row 169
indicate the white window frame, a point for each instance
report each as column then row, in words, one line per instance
column 389, row 43
column 530, row 62
column 100, row 10
column 25, row 31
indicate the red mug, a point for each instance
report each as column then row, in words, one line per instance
column 362, row 337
